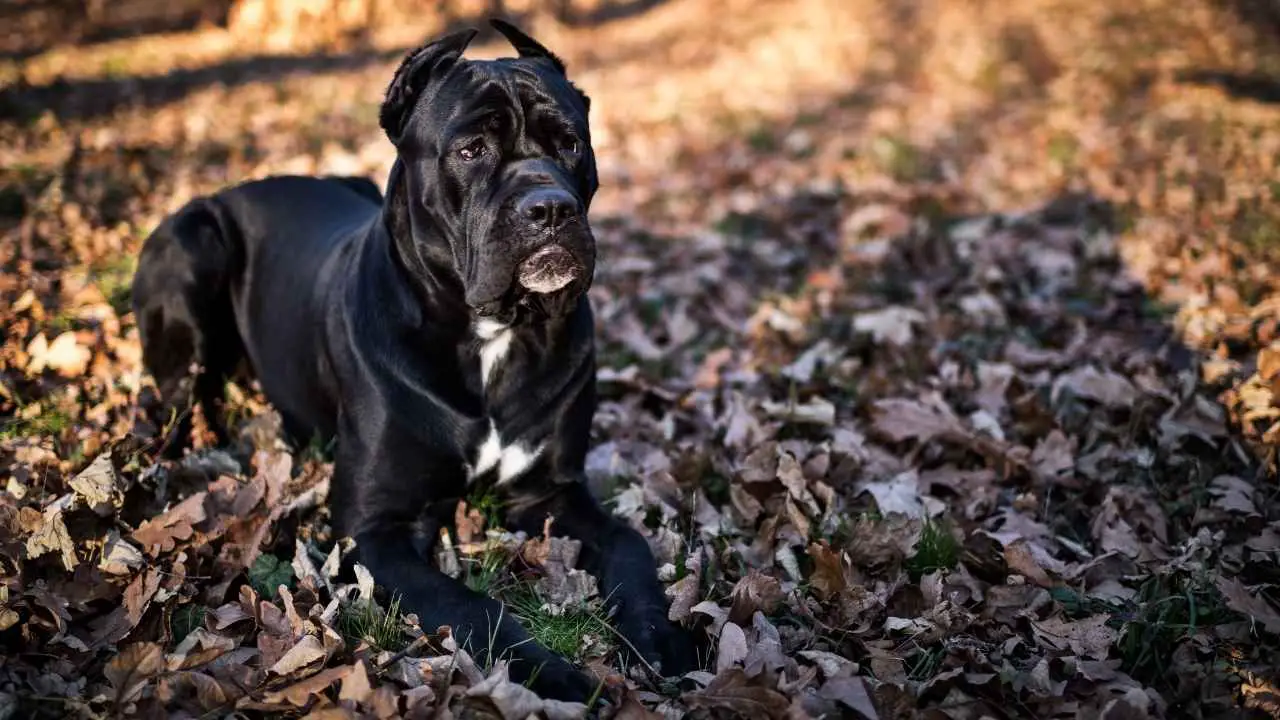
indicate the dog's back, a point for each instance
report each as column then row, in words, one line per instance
column 193, row 309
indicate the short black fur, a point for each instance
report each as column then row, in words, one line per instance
column 399, row 329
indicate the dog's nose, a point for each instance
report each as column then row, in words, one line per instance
column 548, row 208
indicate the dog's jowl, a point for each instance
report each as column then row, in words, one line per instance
column 442, row 336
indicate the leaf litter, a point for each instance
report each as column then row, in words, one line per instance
column 941, row 383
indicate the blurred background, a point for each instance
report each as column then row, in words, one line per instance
column 1166, row 108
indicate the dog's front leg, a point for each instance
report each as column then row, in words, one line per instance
column 619, row 557
column 479, row 623
column 381, row 485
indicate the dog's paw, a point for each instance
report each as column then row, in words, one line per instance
column 554, row 678
column 665, row 645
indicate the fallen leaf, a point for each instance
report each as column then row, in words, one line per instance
column 831, row 664
column 99, row 485
column 1240, row 599
column 52, row 536
column 732, row 647
column 684, row 593
column 828, row 578
column 731, row 690
column 901, row 419
column 301, row 693
column 118, row 556
column 1019, row 558
column 198, row 648
column 899, row 494
column 64, row 355
column 852, row 693
column 754, row 592
column 138, row 595
column 304, row 653
column 162, row 533
column 893, row 325
column 132, row 668
column 1102, row 386
column 1090, row 637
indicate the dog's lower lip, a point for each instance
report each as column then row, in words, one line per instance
column 550, row 269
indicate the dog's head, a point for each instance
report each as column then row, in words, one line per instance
column 497, row 162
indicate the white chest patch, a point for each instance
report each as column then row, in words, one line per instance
column 495, row 342
column 511, row 460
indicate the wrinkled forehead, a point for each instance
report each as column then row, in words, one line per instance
column 476, row 90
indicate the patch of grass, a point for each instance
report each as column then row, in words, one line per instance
column 899, row 158
column 268, row 573
column 926, row 663
column 1062, row 150
column 1167, row 611
column 717, row 488
column 364, row 621
column 50, row 422
column 488, row 503
column 762, row 140
column 317, row 450
column 937, row 550
column 116, row 66
column 185, row 620
column 1258, row 231
column 748, row 226
column 114, row 277
column 487, row 573
column 560, row 633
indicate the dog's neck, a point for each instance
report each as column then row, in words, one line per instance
column 428, row 268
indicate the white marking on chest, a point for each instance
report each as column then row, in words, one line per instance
column 511, row 460
column 495, row 342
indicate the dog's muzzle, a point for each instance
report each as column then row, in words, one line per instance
column 548, row 270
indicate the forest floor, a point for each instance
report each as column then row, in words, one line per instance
column 939, row 347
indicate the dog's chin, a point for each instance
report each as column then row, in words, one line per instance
column 520, row 305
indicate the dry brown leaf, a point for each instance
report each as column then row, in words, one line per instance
column 1020, row 559
column 99, row 485
column 852, row 693
column 1104, row 386
column 754, row 592
column 829, row 577
column 118, row 556
column 1054, row 455
column 162, row 533
column 355, row 686
column 1090, row 637
column 51, row 536
column 901, row 419
column 732, row 647
column 64, row 355
column 137, row 597
column 131, row 670
column 305, row 653
column 301, row 693
column 893, row 325
column 1251, row 604
column 199, row 647
column 831, row 664
column 731, row 690
column 684, row 593
column 1233, row 495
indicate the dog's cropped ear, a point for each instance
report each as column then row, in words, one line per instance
column 525, row 45
column 432, row 59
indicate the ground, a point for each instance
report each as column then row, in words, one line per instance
column 939, row 343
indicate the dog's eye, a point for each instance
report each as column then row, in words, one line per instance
column 472, row 150
column 572, row 147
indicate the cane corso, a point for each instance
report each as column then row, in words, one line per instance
column 442, row 337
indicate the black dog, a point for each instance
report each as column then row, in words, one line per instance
column 444, row 338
